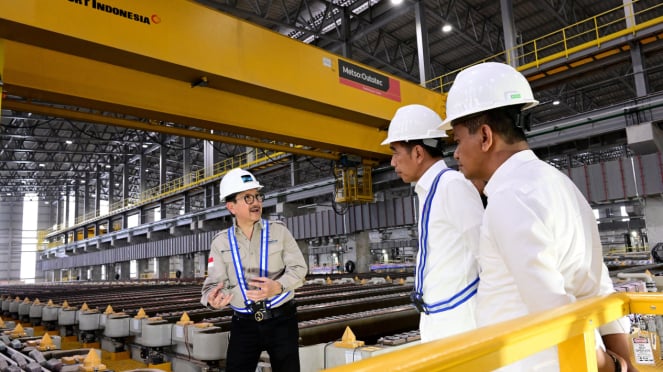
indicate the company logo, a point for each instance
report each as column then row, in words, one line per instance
column 124, row 13
column 363, row 76
column 368, row 81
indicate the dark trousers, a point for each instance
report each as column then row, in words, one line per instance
column 248, row 338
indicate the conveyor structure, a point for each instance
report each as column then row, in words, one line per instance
column 167, row 337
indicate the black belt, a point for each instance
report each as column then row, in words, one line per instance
column 287, row 309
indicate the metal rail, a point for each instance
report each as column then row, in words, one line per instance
column 570, row 328
column 561, row 45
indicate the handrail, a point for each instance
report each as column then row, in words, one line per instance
column 570, row 327
column 172, row 187
column 560, row 44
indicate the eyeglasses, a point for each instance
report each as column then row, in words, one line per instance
column 250, row 198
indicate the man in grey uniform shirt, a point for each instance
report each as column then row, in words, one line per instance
column 254, row 266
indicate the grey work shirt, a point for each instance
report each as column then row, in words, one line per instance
column 285, row 264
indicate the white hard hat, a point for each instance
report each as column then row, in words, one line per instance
column 414, row 122
column 236, row 181
column 484, row 87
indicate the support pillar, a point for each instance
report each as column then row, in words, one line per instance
column 164, row 267
column 363, row 252
column 188, row 266
column 95, row 273
column 200, row 264
column 125, row 270
column 654, row 219
column 423, row 52
column 144, row 268
column 509, row 30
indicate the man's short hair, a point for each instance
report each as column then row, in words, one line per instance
column 502, row 120
column 231, row 197
column 436, row 151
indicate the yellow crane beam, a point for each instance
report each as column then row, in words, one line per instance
column 178, row 61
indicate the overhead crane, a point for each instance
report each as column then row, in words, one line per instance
column 181, row 62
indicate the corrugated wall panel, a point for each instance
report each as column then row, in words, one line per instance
column 319, row 222
column 597, row 182
column 376, row 216
column 652, row 176
column 639, row 174
column 616, row 179
column 391, row 211
column 325, row 221
column 354, row 218
column 629, row 180
column 292, row 226
column 580, row 179
column 399, row 211
column 308, row 229
column 340, row 223
column 409, row 207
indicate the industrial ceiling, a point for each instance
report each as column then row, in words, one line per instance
column 45, row 155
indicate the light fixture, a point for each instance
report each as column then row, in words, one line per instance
column 447, row 28
column 396, row 2
column 68, row 142
column 42, row 165
column 108, row 166
column 555, row 102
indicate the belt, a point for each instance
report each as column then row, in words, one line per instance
column 287, row 309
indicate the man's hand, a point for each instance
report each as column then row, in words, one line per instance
column 217, row 299
column 264, row 289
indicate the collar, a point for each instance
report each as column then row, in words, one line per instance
column 423, row 185
column 503, row 172
column 258, row 223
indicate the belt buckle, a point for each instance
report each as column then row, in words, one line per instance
column 259, row 310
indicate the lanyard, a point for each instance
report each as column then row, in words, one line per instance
column 455, row 300
column 239, row 270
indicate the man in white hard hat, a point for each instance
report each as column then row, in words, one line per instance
column 254, row 266
column 450, row 212
column 540, row 246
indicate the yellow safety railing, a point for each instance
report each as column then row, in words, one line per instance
column 191, row 180
column 589, row 33
column 570, row 327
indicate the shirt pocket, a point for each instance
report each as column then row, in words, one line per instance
column 275, row 258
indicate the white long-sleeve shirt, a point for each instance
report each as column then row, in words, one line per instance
column 453, row 240
column 540, row 248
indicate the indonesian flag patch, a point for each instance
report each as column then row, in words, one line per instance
column 210, row 262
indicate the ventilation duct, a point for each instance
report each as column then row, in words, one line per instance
column 645, row 138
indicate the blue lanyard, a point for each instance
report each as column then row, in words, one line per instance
column 460, row 297
column 239, row 271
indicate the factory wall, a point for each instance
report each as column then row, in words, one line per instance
column 11, row 231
